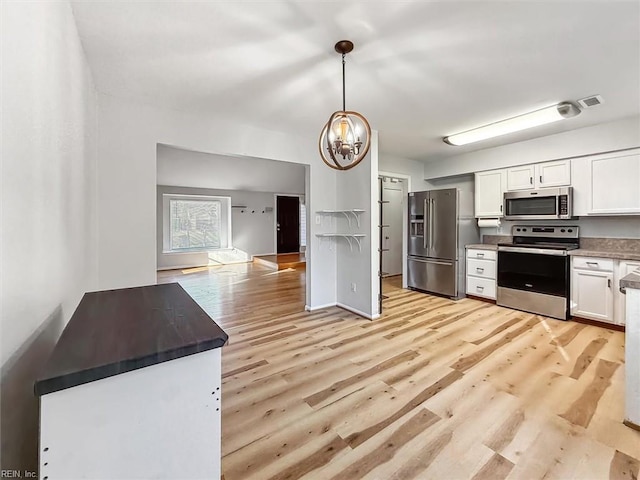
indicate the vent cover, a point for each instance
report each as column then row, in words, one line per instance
column 591, row 101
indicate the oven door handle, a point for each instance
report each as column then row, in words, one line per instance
column 539, row 251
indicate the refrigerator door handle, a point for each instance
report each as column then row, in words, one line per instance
column 432, row 204
column 425, row 230
column 437, row 262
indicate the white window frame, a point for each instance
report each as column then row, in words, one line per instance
column 225, row 222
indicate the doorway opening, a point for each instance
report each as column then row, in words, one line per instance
column 288, row 221
column 228, row 242
column 392, row 192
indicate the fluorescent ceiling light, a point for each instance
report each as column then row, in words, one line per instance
column 521, row 122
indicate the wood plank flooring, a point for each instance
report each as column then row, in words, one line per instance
column 434, row 389
column 282, row 261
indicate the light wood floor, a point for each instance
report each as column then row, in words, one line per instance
column 434, row 389
column 282, row 261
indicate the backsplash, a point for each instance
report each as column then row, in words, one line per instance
column 615, row 244
column 624, row 227
column 496, row 239
column 586, row 243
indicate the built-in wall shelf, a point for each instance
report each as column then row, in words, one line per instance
column 350, row 237
column 349, row 213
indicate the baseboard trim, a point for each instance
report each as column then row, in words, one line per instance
column 318, row 307
column 182, row 267
column 357, row 312
column 344, row 307
column 597, row 323
column 630, row 424
column 482, row 299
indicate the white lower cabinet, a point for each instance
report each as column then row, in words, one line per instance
column 592, row 294
column 595, row 292
column 481, row 273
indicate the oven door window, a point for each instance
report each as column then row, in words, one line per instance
column 534, row 273
column 532, row 206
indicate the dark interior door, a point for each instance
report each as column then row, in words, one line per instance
column 288, row 224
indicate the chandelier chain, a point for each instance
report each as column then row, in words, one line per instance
column 344, row 108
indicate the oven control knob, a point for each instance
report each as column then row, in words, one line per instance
column 517, row 229
column 563, row 230
column 570, row 230
column 524, row 229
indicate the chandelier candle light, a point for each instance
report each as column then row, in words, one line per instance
column 346, row 137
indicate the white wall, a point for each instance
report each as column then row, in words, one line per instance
column 624, row 133
column 129, row 135
column 48, row 171
column 358, row 188
column 48, row 208
column 252, row 229
column 204, row 170
column 415, row 170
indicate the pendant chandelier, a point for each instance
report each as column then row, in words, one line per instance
column 346, row 137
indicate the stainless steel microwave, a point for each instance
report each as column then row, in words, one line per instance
column 541, row 204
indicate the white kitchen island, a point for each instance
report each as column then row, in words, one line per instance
column 133, row 389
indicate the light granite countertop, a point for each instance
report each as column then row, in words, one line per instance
column 482, row 246
column 632, row 280
column 616, row 248
column 617, row 254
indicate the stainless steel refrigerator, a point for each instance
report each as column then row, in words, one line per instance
column 441, row 223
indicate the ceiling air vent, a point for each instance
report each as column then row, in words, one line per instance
column 591, row 101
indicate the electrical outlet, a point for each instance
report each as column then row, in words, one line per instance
column 318, row 219
column 353, row 287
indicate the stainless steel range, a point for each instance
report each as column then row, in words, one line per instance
column 534, row 270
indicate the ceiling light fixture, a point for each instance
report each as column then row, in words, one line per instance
column 515, row 124
column 346, row 137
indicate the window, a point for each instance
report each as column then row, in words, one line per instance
column 196, row 223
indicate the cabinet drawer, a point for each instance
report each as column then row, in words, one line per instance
column 592, row 263
column 482, row 254
column 481, row 268
column 481, row 287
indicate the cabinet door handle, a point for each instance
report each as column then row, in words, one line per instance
column 531, row 180
column 479, row 269
column 540, row 178
column 592, row 263
column 500, row 208
column 479, row 254
column 609, row 282
column 478, row 287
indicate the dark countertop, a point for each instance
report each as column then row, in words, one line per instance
column 632, row 280
column 116, row 331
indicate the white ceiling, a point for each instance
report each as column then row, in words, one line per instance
column 186, row 168
column 420, row 70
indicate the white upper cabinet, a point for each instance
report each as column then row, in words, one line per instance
column 615, row 184
column 489, row 190
column 520, row 178
column 539, row 175
column 553, row 174
column 581, row 183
